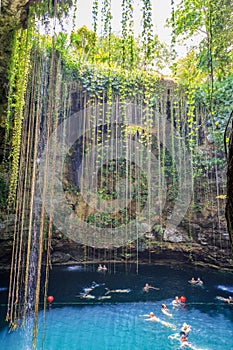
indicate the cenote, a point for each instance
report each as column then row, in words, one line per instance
column 118, row 322
column 115, row 150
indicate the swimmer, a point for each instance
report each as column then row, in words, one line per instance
column 192, row 281
column 184, row 341
column 147, row 287
column 93, row 286
column 154, row 318
column 117, row 291
column 165, row 310
column 104, row 297
column 86, row 296
column 228, row 300
column 104, row 268
column 100, row 267
column 176, row 301
column 199, row 282
column 186, row 329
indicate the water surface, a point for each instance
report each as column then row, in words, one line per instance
column 117, row 323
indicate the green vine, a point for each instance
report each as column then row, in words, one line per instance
column 127, row 34
column 18, row 85
column 147, row 31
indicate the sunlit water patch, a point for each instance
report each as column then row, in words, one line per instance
column 225, row 288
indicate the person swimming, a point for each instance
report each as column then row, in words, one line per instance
column 228, row 300
column 154, row 318
column 186, row 328
column 184, row 341
column 192, row 281
column 85, row 296
column 147, row 287
column 100, row 267
column 176, row 301
column 165, row 310
column 199, row 282
column 117, row 291
column 104, row 297
column 93, row 286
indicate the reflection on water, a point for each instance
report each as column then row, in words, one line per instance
column 101, row 323
column 226, row 288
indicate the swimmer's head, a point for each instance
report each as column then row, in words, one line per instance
column 151, row 314
column 163, row 306
column 185, row 326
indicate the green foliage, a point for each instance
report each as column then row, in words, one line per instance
column 18, row 83
column 212, row 22
column 82, row 41
column 112, row 51
column 50, row 8
column 147, row 32
column 103, row 219
column 3, row 193
column 130, row 68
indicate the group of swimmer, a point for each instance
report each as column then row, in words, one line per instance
column 85, row 294
column 86, row 291
column 182, row 335
column 197, row 282
column 102, row 268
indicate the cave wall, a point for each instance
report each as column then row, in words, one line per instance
column 201, row 238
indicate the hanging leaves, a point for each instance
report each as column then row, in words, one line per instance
column 18, row 84
column 147, row 30
column 95, row 7
column 127, row 34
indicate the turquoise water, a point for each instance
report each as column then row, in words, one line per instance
column 117, row 323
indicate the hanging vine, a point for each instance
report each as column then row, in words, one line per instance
column 107, row 25
column 147, row 30
column 127, row 34
column 18, row 84
column 95, row 8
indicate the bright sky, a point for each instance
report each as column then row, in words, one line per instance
column 161, row 11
